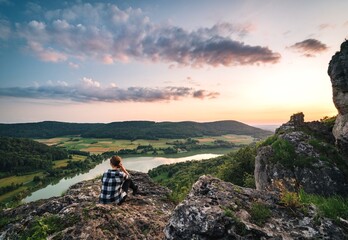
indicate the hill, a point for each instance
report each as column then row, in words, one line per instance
column 18, row 156
column 47, row 129
column 131, row 129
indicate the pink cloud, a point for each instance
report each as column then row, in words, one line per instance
column 89, row 90
column 108, row 59
column 108, row 34
column 47, row 55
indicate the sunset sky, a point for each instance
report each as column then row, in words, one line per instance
column 256, row 62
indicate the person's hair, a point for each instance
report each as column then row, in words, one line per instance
column 115, row 161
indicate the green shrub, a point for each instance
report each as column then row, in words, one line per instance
column 242, row 162
column 284, row 152
column 229, row 212
column 329, row 121
column 269, row 141
column 42, row 227
column 249, row 180
column 260, row 213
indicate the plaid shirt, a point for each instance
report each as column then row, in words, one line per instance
column 112, row 186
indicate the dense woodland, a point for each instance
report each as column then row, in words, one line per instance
column 47, row 129
column 131, row 130
column 19, row 156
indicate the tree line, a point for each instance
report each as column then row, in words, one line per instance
column 131, row 130
column 20, row 156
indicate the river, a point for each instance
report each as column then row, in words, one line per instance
column 141, row 164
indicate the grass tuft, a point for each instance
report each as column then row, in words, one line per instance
column 333, row 207
column 260, row 213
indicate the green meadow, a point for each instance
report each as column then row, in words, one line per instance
column 100, row 145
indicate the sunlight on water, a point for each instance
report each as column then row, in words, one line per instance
column 141, row 164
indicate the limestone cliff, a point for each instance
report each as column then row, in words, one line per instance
column 218, row 210
column 338, row 72
column 301, row 155
column 77, row 215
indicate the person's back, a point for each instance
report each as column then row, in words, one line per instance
column 115, row 183
column 112, row 186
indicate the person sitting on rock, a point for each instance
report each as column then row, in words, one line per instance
column 115, row 183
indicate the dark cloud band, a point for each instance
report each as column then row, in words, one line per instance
column 92, row 92
column 109, row 34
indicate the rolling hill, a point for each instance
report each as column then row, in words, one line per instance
column 131, row 129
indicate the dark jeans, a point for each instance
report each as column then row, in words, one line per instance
column 128, row 183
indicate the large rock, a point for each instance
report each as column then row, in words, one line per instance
column 78, row 215
column 218, row 210
column 321, row 177
column 304, row 166
column 338, row 72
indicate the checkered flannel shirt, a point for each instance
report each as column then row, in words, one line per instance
column 112, row 191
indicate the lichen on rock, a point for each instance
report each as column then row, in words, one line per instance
column 338, row 72
column 78, row 215
column 299, row 159
column 215, row 209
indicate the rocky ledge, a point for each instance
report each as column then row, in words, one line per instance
column 302, row 155
column 218, row 210
column 338, row 72
column 78, row 215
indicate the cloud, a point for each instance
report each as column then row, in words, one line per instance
column 202, row 94
column 89, row 90
column 108, row 34
column 309, row 47
column 74, row 65
column 46, row 54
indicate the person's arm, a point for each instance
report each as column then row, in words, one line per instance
column 124, row 170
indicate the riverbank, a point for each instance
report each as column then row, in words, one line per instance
column 27, row 184
column 141, row 164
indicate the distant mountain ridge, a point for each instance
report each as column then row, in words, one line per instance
column 131, row 129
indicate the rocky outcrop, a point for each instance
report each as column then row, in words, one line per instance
column 78, row 215
column 297, row 159
column 218, row 210
column 338, row 72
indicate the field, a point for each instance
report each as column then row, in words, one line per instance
column 27, row 180
column 64, row 163
column 100, row 145
column 18, row 179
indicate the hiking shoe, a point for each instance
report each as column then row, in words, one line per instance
column 122, row 200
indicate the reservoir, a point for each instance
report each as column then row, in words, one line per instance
column 141, row 164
